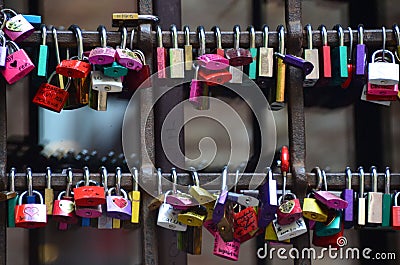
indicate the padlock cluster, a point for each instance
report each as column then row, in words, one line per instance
column 87, row 201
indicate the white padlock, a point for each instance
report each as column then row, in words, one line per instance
column 168, row 217
column 103, row 83
column 383, row 72
column 285, row 232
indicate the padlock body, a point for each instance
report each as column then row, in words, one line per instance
column 88, row 211
column 227, row 250
column 266, row 62
column 238, row 57
column 161, row 62
column 199, row 194
column 168, row 218
column 42, row 65
column 213, row 78
column 179, row 202
column 315, row 211
column 64, row 211
column 98, row 100
column 348, row 216
column 18, row 28
column 253, row 64
column 176, row 63
column 30, row 215
column 361, row 59
column 128, row 59
column 18, row 65
column 396, row 217
column 245, row 222
column 51, row 97
column 326, row 61
column 289, row 211
column 3, row 55
column 104, row 83
column 219, row 208
column 188, row 57
column 331, row 227
column 285, row 232
column 213, row 62
column 326, row 241
column 312, row 56
column 270, row 235
column 191, row 218
column 89, row 196
column 73, row 68
column 383, row 73
column 280, row 82
column 190, row 241
column 386, row 209
column 382, row 90
column 374, row 207
column 135, row 201
column 361, row 213
column 115, row 70
column 119, row 207
column 339, row 65
column 135, row 79
column 330, row 200
column 101, row 56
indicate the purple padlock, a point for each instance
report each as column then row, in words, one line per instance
column 195, row 89
column 269, row 201
column 227, row 250
column 118, row 207
column 329, row 199
column 298, row 62
column 348, row 196
column 128, row 59
column 219, row 208
column 102, row 55
column 361, row 53
column 179, row 200
column 213, row 62
column 17, row 28
column 88, row 211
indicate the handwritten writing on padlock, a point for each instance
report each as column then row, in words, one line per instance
column 227, row 250
column 17, row 28
column 168, row 218
column 284, row 232
column 289, row 210
column 245, row 222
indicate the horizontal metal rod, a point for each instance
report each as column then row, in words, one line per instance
column 372, row 37
column 336, row 181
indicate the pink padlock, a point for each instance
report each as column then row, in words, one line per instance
column 126, row 57
column 18, row 64
column 227, row 250
column 382, row 90
column 213, row 62
column 17, row 28
column 102, row 55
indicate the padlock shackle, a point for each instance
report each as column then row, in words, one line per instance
column 387, row 180
column 131, row 39
column 104, row 177
column 174, row 178
column 54, row 31
column 384, row 41
column 384, row 57
column 4, row 12
column 141, row 55
column 340, row 33
column 159, row 181
column 60, row 194
column 29, row 181
column 79, row 39
column 236, row 37
column 281, row 38
column 135, row 179
column 348, row 178
column 101, row 29
column 13, row 45
column 124, row 37
column 224, row 177
column 186, row 31
column 12, row 179
column 361, row 34
column 218, row 36
column 159, row 37
column 396, row 196
column 318, row 174
column 124, row 194
column 195, row 176
column 350, row 50
column 3, row 40
column 69, row 182
column 308, row 29
column 33, row 192
column 43, row 30
column 374, row 178
column 118, row 181
column 324, row 35
column 265, row 32
column 64, row 87
column 252, row 36
column 324, row 179
column 174, row 36
column 202, row 40
column 86, row 176
column 362, row 181
column 48, row 177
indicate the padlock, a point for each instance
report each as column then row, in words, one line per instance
column 214, row 78
column 332, row 226
column 245, row 224
column 43, row 53
column 190, row 241
column 326, row 197
column 168, row 217
column 9, row 195
column 270, row 234
column 18, row 64
column 30, row 214
column 115, row 70
column 277, row 100
column 97, row 100
column 226, row 250
column 176, row 56
column 118, row 206
column 361, row 202
column 325, row 54
column 295, row 61
column 361, row 53
column 17, row 28
column 88, row 212
column 226, row 225
column 202, row 196
column 381, row 92
column 157, row 201
column 244, row 200
column 88, row 195
column 134, row 196
column 34, row 20
column 374, row 200
column 177, row 199
column 213, row 62
column 269, row 201
column 188, row 49
column 350, row 67
column 238, row 56
column 102, row 55
column 126, row 57
column 266, row 56
column 50, row 96
column 48, row 193
column 396, row 32
column 3, row 51
column 386, row 200
column 12, row 202
column 326, row 241
column 104, row 221
column 289, row 209
column 312, row 56
column 383, row 72
column 210, row 210
column 103, row 83
column 339, row 59
column 136, row 79
column 64, row 206
column 285, row 232
column 348, row 195
column 219, row 207
column 218, row 41
column 194, row 216
column 75, row 68
column 396, row 213
column 253, row 52
column 161, row 55
column 313, row 210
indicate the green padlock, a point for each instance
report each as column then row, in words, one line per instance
column 386, row 200
column 43, row 53
column 11, row 203
column 115, row 70
column 253, row 51
column 339, row 59
column 332, row 226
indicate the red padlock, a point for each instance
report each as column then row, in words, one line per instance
column 214, row 78
column 382, row 90
column 135, row 79
column 334, row 241
column 89, row 195
column 289, row 211
column 51, row 97
column 64, row 209
column 30, row 215
column 396, row 213
column 245, row 224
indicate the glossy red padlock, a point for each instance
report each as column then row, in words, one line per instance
column 51, row 97
column 64, row 209
column 245, row 224
column 289, row 210
column 238, row 56
column 88, row 195
column 214, row 78
column 396, row 213
column 334, row 241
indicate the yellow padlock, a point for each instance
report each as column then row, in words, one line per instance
column 134, row 196
column 270, row 234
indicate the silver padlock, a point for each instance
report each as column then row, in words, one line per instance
column 103, row 83
column 383, row 72
column 292, row 230
column 312, row 56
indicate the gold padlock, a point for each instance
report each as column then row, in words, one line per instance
column 193, row 217
column 157, row 201
column 270, row 234
column 201, row 195
column 134, row 196
column 225, row 226
column 312, row 209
